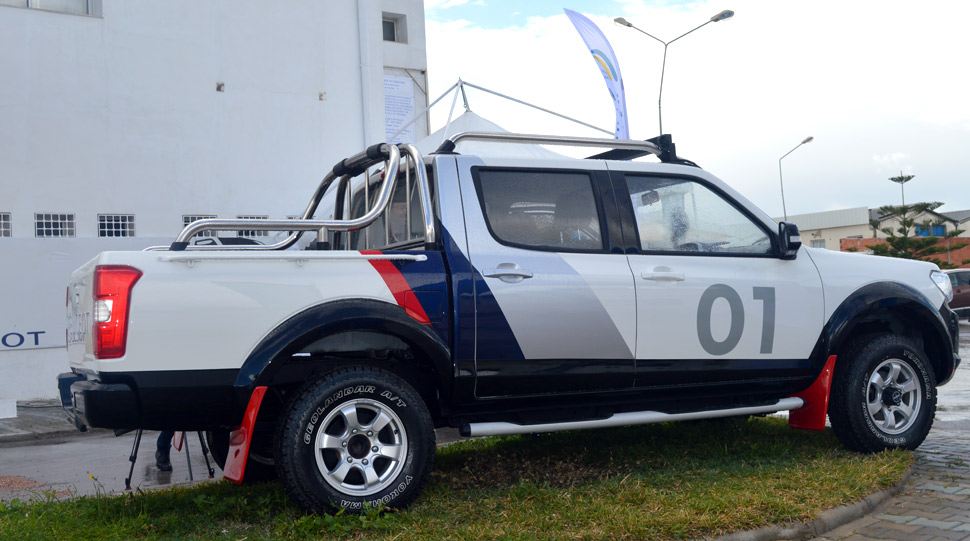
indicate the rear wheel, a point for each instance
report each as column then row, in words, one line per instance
column 883, row 395
column 357, row 438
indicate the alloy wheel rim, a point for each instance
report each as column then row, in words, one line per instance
column 893, row 397
column 361, row 447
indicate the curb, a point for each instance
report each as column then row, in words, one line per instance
column 39, row 436
column 826, row 522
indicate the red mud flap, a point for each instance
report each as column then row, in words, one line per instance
column 811, row 416
column 241, row 438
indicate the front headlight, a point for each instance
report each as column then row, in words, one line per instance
column 942, row 281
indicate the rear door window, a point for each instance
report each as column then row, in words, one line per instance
column 541, row 209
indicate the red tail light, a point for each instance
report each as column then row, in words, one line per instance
column 112, row 294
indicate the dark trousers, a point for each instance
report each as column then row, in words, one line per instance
column 164, row 442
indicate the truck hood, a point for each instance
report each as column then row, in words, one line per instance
column 843, row 273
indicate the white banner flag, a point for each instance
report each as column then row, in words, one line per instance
column 608, row 65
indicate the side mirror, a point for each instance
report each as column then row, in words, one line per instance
column 790, row 239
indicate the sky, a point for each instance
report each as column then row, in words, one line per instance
column 883, row 87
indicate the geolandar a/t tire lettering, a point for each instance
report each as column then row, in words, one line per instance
column 356, row 439
column 883, row 394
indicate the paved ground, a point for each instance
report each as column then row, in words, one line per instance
column 935, row 502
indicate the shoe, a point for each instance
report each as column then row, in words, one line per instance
column 162, row 462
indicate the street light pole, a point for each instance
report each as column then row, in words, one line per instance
column 808, row 139
column 726, row 14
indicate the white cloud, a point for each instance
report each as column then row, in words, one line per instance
column 890, row 159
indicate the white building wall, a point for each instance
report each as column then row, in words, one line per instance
column 120, row 114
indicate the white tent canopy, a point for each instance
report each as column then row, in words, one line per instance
column 470, row 121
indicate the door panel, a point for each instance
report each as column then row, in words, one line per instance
column 555, row 312
column 713, row 302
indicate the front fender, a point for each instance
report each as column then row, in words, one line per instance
column 894, row 302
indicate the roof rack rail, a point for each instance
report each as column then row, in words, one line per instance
column 668, row 152
column 448, row 146
column 620, row 149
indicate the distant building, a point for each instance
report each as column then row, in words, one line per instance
column 122, row 121
column 827, row 229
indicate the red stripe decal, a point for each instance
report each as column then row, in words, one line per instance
column 399, row 287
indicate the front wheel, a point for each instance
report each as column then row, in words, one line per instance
column 357, row 438
column 883, row 395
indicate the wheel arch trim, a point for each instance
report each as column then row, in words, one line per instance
column 888, row 296
column 340, row 316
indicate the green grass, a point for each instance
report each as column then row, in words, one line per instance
column 683, row 480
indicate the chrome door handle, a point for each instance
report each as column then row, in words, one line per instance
column 509, row 273
column 663, row 276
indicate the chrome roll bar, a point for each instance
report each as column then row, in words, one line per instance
column 343, row 172
column 391, row 156
column 424, row 193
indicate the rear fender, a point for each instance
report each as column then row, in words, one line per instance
column 336, row 317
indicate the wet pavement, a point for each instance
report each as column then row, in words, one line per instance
column 88, row 463
column 42, row 456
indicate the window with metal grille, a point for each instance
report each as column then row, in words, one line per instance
column 53, row 225
column 252, row 232
column 116, row 225
column 189, row 218
column 4, row 224
column 818, row 243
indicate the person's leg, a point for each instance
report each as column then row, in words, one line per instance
column 164, row 445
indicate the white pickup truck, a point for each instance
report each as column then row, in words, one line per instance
column 498, row 295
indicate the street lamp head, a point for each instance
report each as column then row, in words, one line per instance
column 620, row 21
column 808, row 139
column 726, row 14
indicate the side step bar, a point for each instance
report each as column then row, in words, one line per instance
column 623, row 419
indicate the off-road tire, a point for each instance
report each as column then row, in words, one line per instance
column 258, row 467
column 865, row 409
column 325, row 465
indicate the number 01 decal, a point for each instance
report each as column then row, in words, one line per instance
column 721, row 291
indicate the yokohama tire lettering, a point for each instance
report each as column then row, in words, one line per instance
column 384, row 500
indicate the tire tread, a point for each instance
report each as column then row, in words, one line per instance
column 297, row 482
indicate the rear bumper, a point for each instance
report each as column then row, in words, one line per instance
column 184, row 400
column 90, row 403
